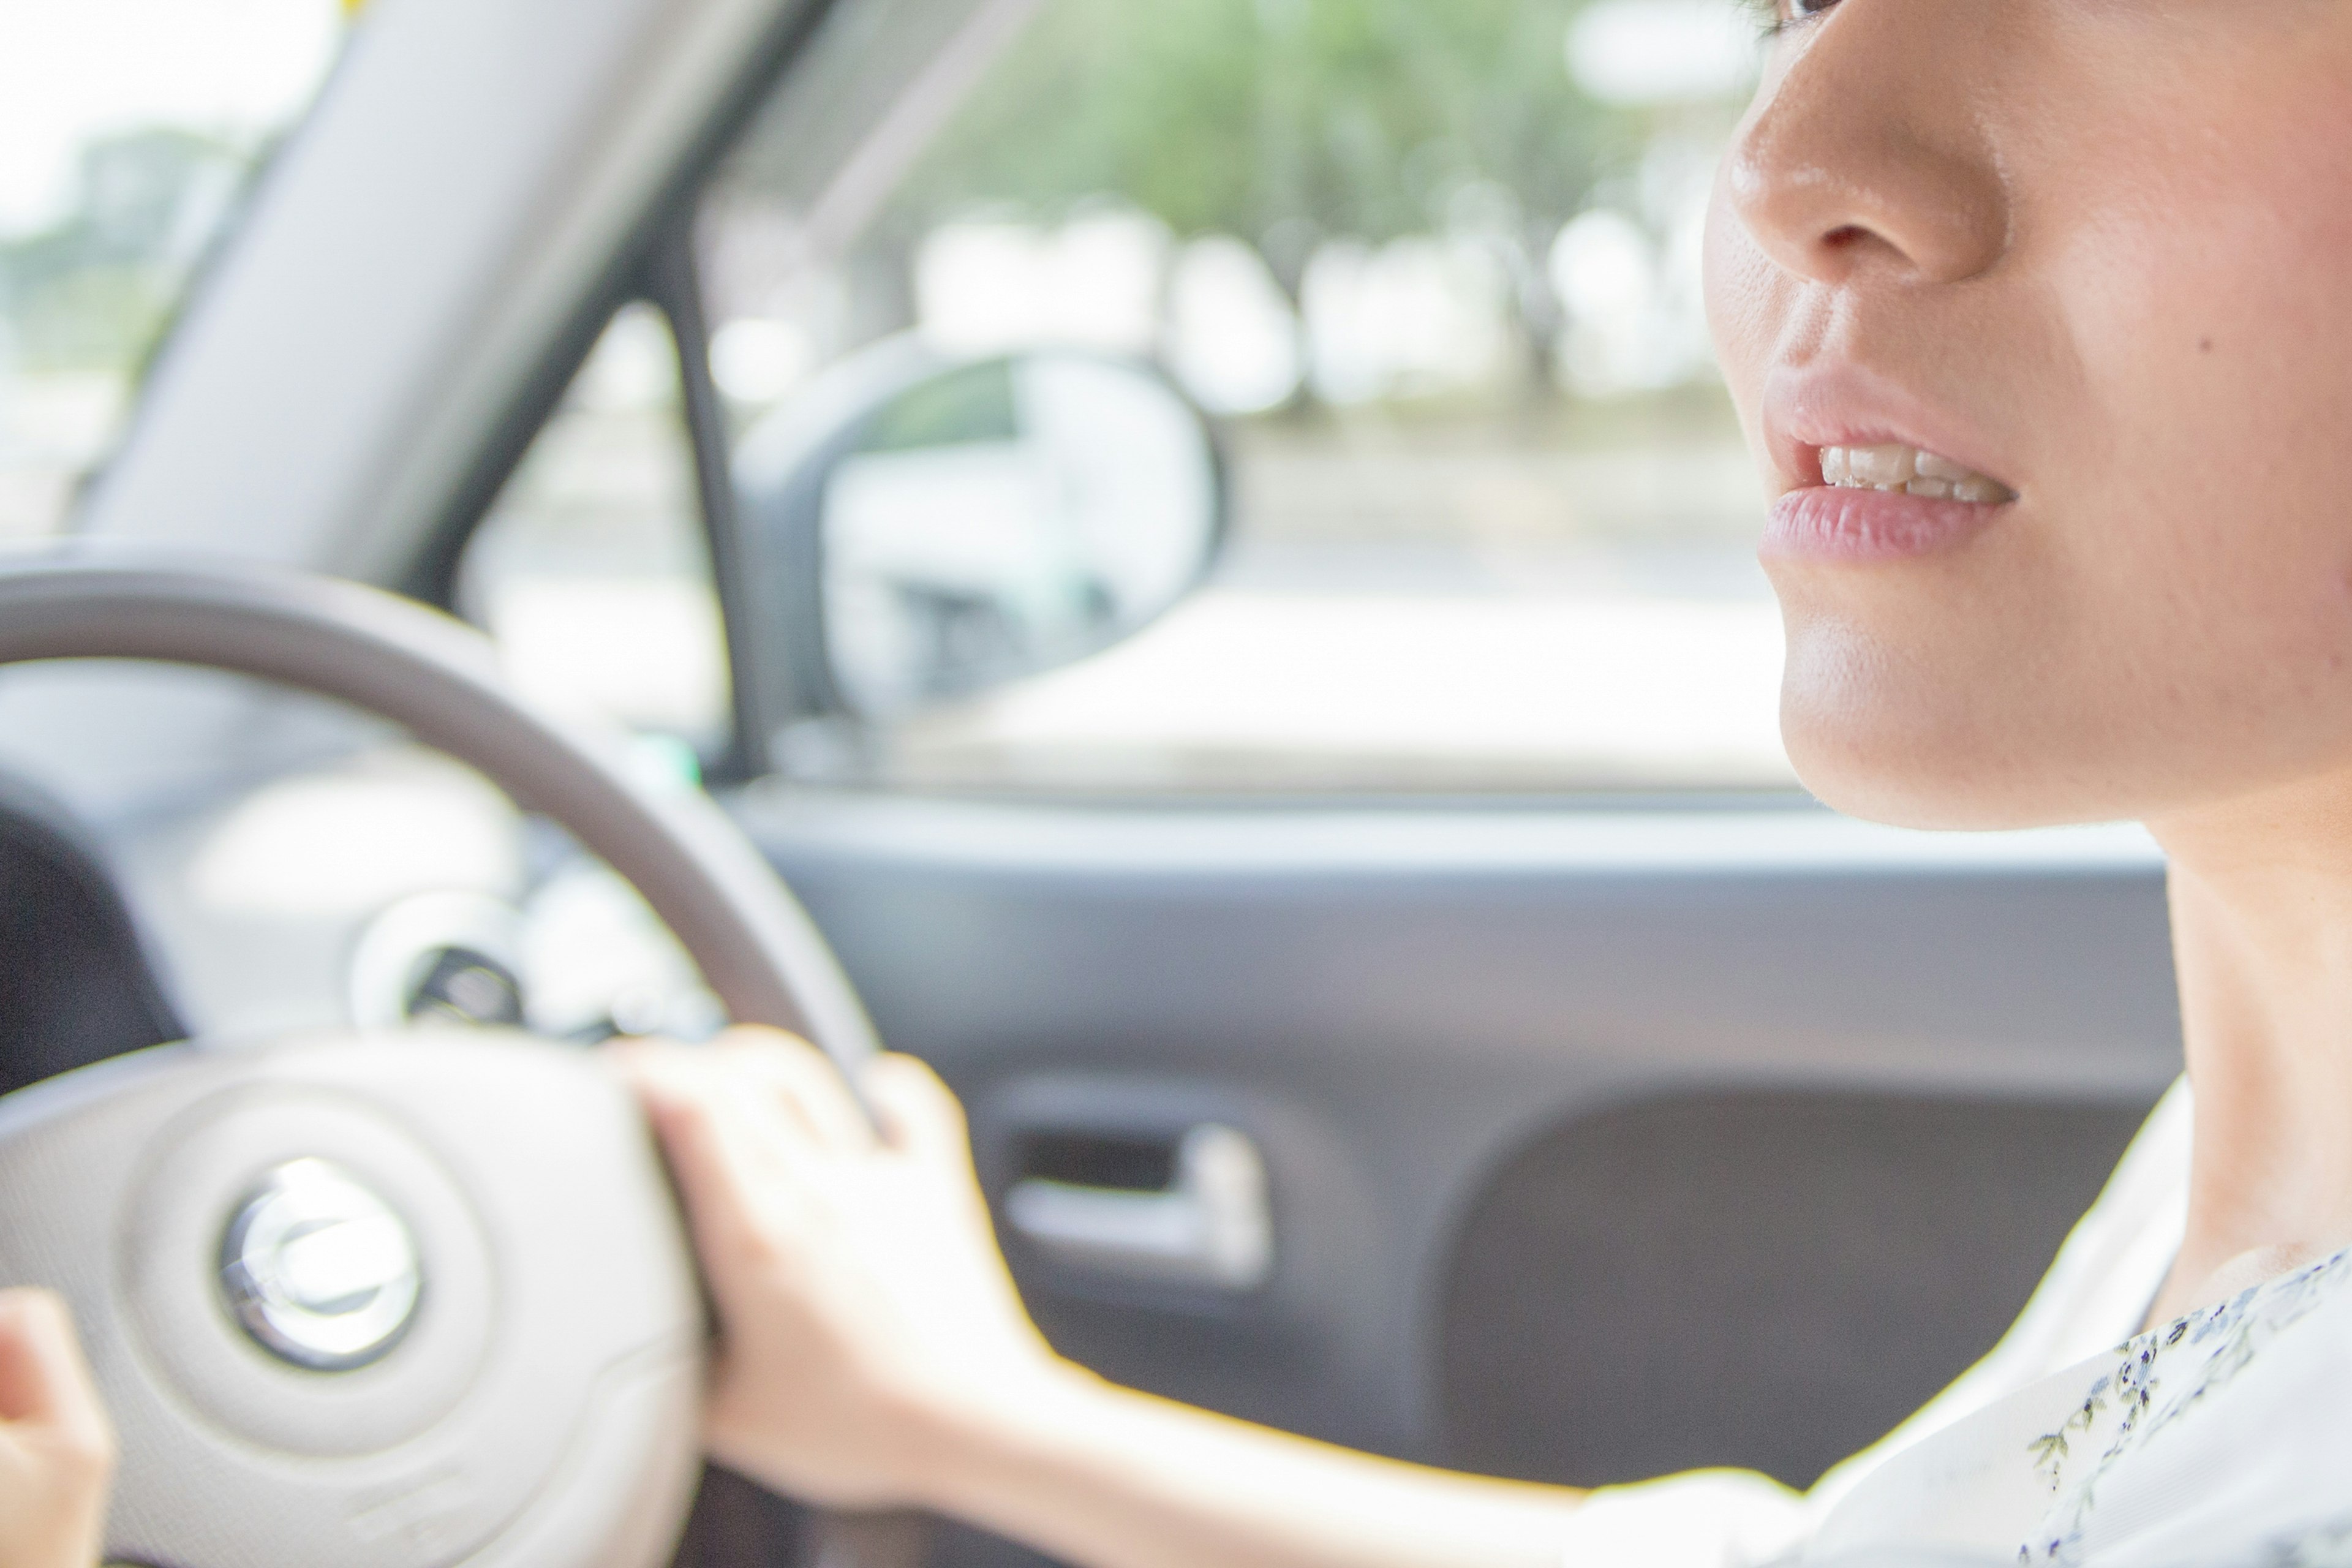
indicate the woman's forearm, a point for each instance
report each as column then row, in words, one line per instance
column 1107, row 1477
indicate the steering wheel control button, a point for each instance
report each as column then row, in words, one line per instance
column 460, row 985
column 320, row 1271
column 447, row 957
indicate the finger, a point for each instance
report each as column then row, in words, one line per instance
column 920, row 1112
column 44, row 1379
column 650, row 1068
column 766, row 1147
column 778, row 1081
column 727, row 1177
column 663, row 1082
column 806, row 1082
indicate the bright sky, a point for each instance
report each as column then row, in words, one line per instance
column 73, row 68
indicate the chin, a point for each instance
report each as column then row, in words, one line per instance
column 1910, row 742
column 1848, row 772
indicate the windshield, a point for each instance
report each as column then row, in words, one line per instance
column 1435, row 268
column 129, row 129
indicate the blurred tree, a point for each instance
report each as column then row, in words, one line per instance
column 1288, row 123
column 95, row 289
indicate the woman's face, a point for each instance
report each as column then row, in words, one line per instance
column 2094, row 259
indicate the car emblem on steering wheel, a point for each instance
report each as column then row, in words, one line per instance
column 320, row 1271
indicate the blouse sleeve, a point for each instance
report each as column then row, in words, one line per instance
column 1705, row 1519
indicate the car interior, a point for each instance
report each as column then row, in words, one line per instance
column 969, row 526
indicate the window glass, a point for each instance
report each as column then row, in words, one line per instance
column 1434, row 269
column 128, row 129
column 593, row 570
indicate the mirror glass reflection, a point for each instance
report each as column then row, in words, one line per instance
column 1008, row 516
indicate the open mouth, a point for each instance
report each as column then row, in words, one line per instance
column 1892, row 467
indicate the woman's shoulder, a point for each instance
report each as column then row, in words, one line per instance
column 2229, row 1428
column 2222, row 1438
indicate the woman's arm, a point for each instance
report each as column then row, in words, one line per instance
column 874, row 1354
column 1104, row 1476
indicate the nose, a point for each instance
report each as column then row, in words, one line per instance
column 1863, row 156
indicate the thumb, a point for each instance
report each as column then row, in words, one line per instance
column 920, row 1114
column 44, row 1379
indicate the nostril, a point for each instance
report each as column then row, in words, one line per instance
column 1847, row 237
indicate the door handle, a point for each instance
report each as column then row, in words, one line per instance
column 1211, row 1225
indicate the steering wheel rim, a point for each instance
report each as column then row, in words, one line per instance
column 199, row 1114
column 758, row 951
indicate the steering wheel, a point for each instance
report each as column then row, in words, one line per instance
column 409, row 1298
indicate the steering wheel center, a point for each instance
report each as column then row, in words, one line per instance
column 319, row 1270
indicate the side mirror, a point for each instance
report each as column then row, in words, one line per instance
column 917, row 528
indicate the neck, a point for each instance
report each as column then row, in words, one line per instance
column 2261, row 915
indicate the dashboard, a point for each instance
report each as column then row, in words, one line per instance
column 184, row 853
column 76, row 984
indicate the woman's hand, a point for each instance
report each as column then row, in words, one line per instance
column 865, row 1315
column 874, row 1353
column 56, row 1449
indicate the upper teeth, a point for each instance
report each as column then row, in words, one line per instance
column 1909, row 468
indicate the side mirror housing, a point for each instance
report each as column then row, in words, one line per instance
column 915, row 529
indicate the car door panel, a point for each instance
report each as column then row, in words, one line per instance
column 1596, row 1143
column 1771, row 1280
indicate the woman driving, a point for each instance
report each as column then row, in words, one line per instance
column 2034, row 313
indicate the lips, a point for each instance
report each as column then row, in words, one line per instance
column 1880, row 474
column 1826, row 523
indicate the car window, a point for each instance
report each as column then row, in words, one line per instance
column 1434, row 269
column 591, row 570
column 129, row 129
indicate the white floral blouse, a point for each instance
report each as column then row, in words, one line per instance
column 2218, row 1441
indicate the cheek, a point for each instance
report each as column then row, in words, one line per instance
column 2213, row 321
column 1745, row 303
column 2207, row 286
